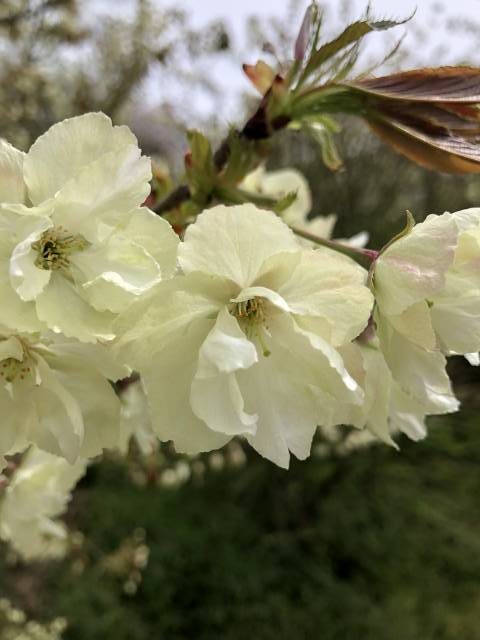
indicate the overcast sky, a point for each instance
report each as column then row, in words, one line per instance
column 438, row 20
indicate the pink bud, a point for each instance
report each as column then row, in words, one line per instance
column 303, row 37
column 261, row 75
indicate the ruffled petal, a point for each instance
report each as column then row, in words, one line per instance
column 64, row 311
column 14, row 313
column 119, row 263
column 285, row 391
column 12, row 185
column 324, row 286
column 262, row 292
column 234, row 242
column 66, row 148
column 215, row 396
column 59, row 415
column 103, row 193
column 167, row 380
column 149, row 323
column 413, row 268
column 26, row 278
column 156, row 236
column 419, row 373
column 83, row 356
column 98, row 403
column 407, row 415
column 415, row 324
column 457, row 323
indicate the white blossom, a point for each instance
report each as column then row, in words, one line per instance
column 400, row 389
column 76, row 246
column 427, row 283
column 55, row 393
column 455, row 310
column 410, row 275
column 282, row 182
column 37, row 494
column 246, row 341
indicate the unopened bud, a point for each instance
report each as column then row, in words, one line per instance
column 303, row 37
column 261, row 75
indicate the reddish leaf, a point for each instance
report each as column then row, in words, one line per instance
column 445, row 84
column 433, row 118
column 446, row 153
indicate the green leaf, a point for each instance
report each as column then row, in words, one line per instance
column 285, row 202
column 352, row 34
column 242, row 159
column 199, row 166
column 404, row 232
column 323, row 136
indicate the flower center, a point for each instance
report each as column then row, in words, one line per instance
column 251, row 318
column 11, row 369
column 55, row 246
column 250, row 311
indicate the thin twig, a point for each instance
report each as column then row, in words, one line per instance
column 340, row 247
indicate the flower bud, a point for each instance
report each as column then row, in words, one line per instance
column 303, row 37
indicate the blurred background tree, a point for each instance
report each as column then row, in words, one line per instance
column 374, row 544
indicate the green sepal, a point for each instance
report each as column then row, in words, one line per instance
column 199, row 167
column 404, row 232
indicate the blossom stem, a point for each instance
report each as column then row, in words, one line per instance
column 354, row 252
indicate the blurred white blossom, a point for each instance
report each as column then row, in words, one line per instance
column 282, row 182
column 37, row 494
column 55, row 393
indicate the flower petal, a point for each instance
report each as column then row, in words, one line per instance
column 14, row 313
column 215, row 396
column 457, row 323
column 66, row 148
column 59, row 414
column 279, row 390
column 233, row 242
column 149, row 323
column 415, row 324
column 99, row 405
column 419, row 373
column 61, row 307
column 103, row 193
column 117, row 263
column 262, row 292
column 95, row 356
column 11, row 348
column 327, row 287
column 156, row 236
column 413, row 268
column 167, row 380
column 26, row 278
column 12, row 185
column 407, row 415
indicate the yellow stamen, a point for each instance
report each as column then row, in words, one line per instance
column 251, row 317
column 55, row 246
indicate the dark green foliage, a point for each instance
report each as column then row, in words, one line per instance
column 376, row 185
column 378, row 545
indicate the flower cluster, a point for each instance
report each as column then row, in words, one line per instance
column 240, row 329
column 37, row 494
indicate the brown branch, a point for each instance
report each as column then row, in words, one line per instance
column 257, row 127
